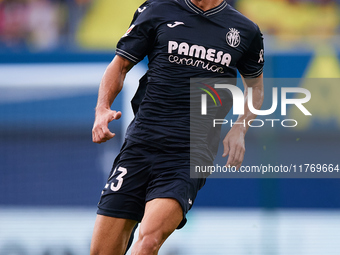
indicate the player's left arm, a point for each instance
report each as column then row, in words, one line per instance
column 234, row 144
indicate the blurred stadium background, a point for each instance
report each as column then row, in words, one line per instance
column 52, row 56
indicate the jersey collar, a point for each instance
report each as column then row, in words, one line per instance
column 212, row 11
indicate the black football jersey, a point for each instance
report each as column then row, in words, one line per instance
column 181, row 42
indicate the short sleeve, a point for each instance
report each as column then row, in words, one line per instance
column 138, row 39
column 251, row 63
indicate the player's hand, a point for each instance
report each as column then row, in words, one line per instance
column 234, row 146
column 100, row 130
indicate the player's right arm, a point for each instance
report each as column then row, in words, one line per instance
column 110, row 86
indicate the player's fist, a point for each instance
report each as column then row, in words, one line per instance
column 100, row 130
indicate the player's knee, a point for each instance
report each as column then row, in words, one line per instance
column 101, row 250
column 95, row 250
column 149, row 244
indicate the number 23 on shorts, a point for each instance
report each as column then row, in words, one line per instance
column 119, row 178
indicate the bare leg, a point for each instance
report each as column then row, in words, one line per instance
column 162, row 216
column 111, row 235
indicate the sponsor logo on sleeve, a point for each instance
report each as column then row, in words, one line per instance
column 140, row 10
column 261, row 60
column 128, row 31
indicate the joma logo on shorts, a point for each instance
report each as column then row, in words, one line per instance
column 200, row 52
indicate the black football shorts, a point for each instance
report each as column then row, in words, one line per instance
column 141, row 173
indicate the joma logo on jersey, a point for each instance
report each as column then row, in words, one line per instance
column 200, row 52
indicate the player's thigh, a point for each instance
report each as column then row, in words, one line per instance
column 111, row 235
column 162, row 216
column 125, row 191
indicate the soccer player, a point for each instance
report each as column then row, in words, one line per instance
column 150, row 179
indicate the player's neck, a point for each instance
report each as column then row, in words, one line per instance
column 206, row 5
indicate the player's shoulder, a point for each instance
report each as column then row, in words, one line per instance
column 241, row 19
column 156, row 9
column 158, row 4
